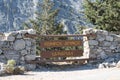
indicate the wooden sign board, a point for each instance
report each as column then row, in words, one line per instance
column 66, row 53
column 61, row 43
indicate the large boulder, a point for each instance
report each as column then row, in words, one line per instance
column 19, row 44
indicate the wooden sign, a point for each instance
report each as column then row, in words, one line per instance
column 61, row 43
column 67, row 53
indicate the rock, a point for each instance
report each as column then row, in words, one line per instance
column 30, row 66
column 19, row 36
column 102, row 32
column 102, row 55
column 13, row 33
column 100, row 38
column 112, row 65
column 31, row 31
column 101, row 66
column 23, row 52
column 0, row 51
column 107, row 65
column 110, row 60
column 109, row 38
column 28, row 48
column 30, row 57
column 93, row 42
column 118, row 64
column 2, row 37
column 112, row 47
column 22, row 59
column 2, row 68
column 19, row 70
column 10, row 38
column 117, row 38
column 19, row 44
column 28, row 43
column 23, row 32
column 15, row 57
column 106, row 43
column 3, row 59
column 10, row 52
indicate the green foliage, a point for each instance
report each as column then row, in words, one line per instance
column 105, row 14
column 80, row 29
column 44, row 22
column 11, row 62
column 11, row 68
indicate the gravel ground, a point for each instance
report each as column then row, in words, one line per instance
column 71, row 73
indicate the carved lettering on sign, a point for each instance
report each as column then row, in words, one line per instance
column 61, row 43
column 64, row 53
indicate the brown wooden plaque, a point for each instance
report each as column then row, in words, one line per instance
column 61, row 43
column 67, row 53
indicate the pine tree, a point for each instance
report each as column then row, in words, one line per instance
column 45, row 21
column 105, row 14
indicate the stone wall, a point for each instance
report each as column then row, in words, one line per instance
column 101, row 46
column 14, row 45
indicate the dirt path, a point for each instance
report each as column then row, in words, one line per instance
column 74, row 74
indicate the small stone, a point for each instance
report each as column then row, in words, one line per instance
column 109, row 38
column 13, row 33
column 23, row 52
column 0, row 51
column 28, row 48
column 30, row 66
column 30, row 57
column 106, row 43
column 112, row 65
column 15, row 57
column 10, row 38
column 93, row 42
column 104, row 32
column 28, row 43
column 19, row 44
column 102, row 55
column 112, row 47
column 19, row 36
column 22, row 58
column 2, row 38
column 10, row 52
column 110, row 60
column 100, row 37
column 31, row 31
column 2, row 68
column 117, row 38
column 118, row 64
column 101, row 66
column 22, row 31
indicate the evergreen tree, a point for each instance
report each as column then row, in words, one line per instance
column 44, row 22
column 105, row 14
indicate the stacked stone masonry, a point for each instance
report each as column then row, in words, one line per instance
column 101, row 46
column 14, row 45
